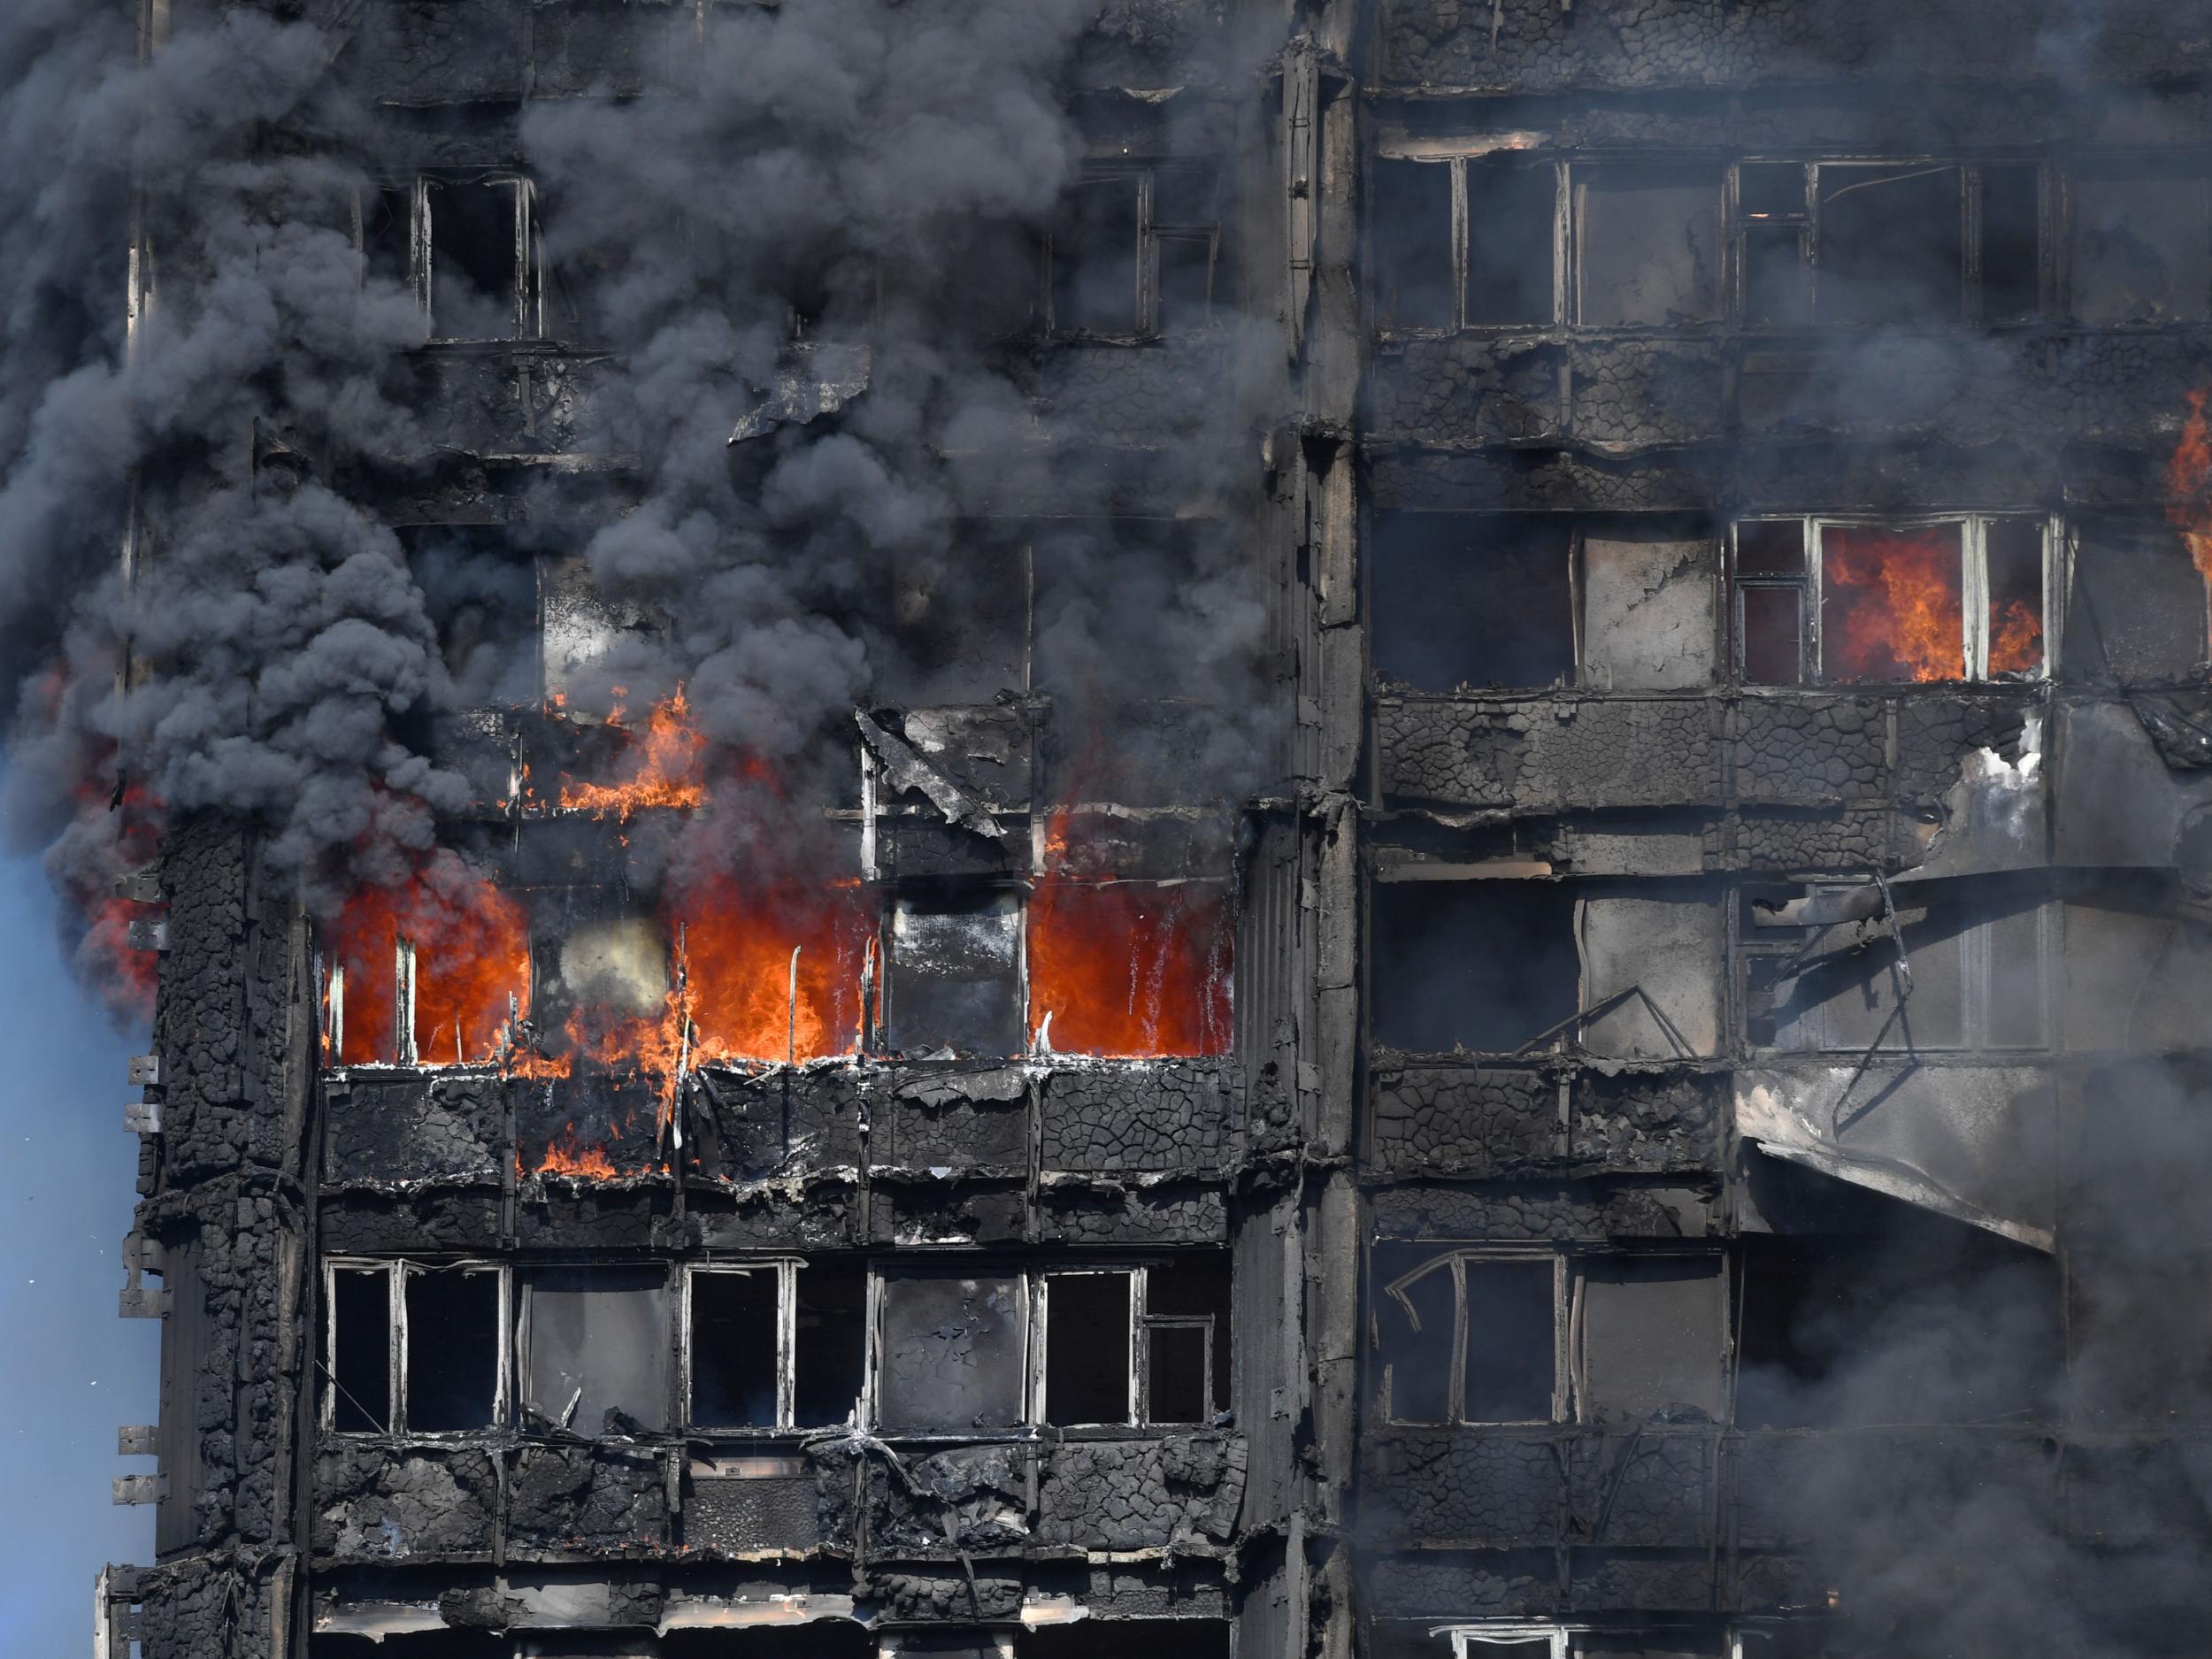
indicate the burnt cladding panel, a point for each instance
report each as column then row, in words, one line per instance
column 597, row 1347
column 1647, row 241
column 953, row 1349
column 187, row 1336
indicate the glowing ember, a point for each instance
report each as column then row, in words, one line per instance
column 738, row 942
column 664, row 769
column 1125, row 969
column 471, row 956
column 564, row 1156
column 2189, row 482
column 1892, row 605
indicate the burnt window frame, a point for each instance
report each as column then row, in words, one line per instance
column 786, row 1269
column 1571, row 1263
column 1142, row 1322
column 1457, row 160
column 526, row 1278
column 1144, row 175
column 1754, row 944
column 1972, row 236
column 1974, row 525
column 2066, row 184
column 530, row 275
column 396, row 1273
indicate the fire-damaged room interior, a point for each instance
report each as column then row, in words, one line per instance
column 1225, row 829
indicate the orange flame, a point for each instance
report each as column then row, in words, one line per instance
column 666, row 771
column 738, row 942
column 1126, row 969
column 472, row 947
column 1892, row 605
column 2015, row 639
column 2188, row 476
column 564, row 1156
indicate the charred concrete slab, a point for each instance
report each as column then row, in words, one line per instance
column 385, row 1503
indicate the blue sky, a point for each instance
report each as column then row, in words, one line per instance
column 70, row 1370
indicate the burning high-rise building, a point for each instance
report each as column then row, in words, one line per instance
column 1020, row 829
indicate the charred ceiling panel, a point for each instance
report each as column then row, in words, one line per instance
column 1652, row 969
column 954, row 1352
column 1647, row 244
column 1651, row 1338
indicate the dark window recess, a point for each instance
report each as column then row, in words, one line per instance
column 582, row 301
column 958, row 628
column 452, row 1351
column 1774, row 289
column 999, row 263
column 1890, row 244
column 1175, row 1372
column 1648, row 244
column 1910, row 1317
column 1773, row 630
column 2136, row 612
column 1512, row 212
column 954, row 978
column 1095, row 258
column 817, row 1638
column 597, row 1352
column 1097, row 1638
column 952, row 1350
column 1513, row 1362
column 1186, row 236
column 1086, row 1348
column 829, row 1361
column 361, row 1378
column 446, row 1644
column 2012, row 244
column 1472, row 599
column 1409, row 244
column 1194, row 1286
column 2013, row 558
column 1481, row 966
column 1415, row 1319
column 475, row 254
column 1768, row 190
column 387, row 234
column 1673, row 1644
column 2141, row 245
column 733, row 1349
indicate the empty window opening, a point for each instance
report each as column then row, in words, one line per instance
column 1869, row 603
column 953, row 1352
column 1472, row 599
column 2012, row 242
column 1188, row 248
column 595, row 1348
column 1512, row 223
column 1089, row 1336
column 1094, row 257
column 360, row 1350
column 389, row 224
column 1467, row 1339
column 829, row 1333
column 736, row 1348
column 1647, row 245
column 958, row 628
column 482, row 259
column 1486, row 966
column 1775, row 220
column 1097, row 1638
column 2136, row 613
column 1410, row 245
column 2140, row 247
column 1890, row 243
column 956, row 974
column 453, row 1358
column 1915, row 1318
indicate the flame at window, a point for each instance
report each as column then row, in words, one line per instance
column 472, row 947
column 1127, row 969
column 747, row 1000
column 1893, row 604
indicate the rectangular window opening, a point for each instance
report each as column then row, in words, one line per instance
column 735, row 1320
column 956, row 974
column 2012, row 243
column 830, row 1335
column 1891, row 241
column 1088, row 1334
column 1191, row 1290
column 1094, row 258
column 952, row 1352
column 1483, row 967
column 596, row 1349
column 1511, row 1345
column 2140, row 247
column 1410, row 245
column 1512, row 222
column 360, row 1375
column 453, row 1332
column 1466, row 1339
column 1647, row 245
column 478, row 266
column 2013, row 552
column 1892, row 603
column 1473, row 599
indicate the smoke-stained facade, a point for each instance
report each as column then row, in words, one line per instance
column 1026, row 830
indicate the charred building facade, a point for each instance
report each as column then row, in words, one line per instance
column 1434, row 881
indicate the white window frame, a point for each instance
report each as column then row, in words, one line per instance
column 1974, row 527
column 396, row 1273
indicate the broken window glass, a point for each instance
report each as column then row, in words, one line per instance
column 453, row 1329
column 1485, row 966
column 1654, row 1331
column 1891, row 242
column 1512, row 215
column 1647, row 245
column 360, row 1349
column 1472, row 599
column 1892, row 603
column 1410, row 245
column 2137, row 611
column 2012, row 243
column 1095, row 248
column 1511, row 1343
column 829, row 1339
column 594, row 1345
column 478, row 266
column 954, row 973
column 2141, row 243
column 735, row 1318
column 1648, row 599
column 953, row 1353
column 1087, row 1334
